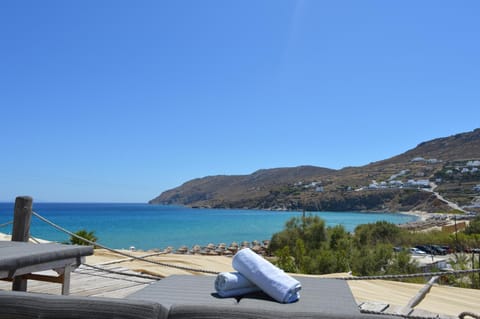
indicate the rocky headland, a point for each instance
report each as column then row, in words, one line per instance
column 437, row 176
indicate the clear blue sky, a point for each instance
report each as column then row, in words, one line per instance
column 117, row 101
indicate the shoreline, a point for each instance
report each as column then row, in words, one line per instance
column 422, row 215
column 424, row 220
column 205, row 249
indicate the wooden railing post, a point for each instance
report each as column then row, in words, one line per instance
column 22, row 216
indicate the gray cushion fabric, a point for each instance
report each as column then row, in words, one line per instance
column 22, row 305
column 209, row 312
column 183, row 289
column 14, row 255
column 320, row 295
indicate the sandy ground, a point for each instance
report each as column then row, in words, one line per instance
column 32, row 240
column 441, row 299
column 212, row 263
column 422, row 216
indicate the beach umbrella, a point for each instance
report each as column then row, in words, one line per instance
column 196, row 249
column 245, row 244
column 182, row 250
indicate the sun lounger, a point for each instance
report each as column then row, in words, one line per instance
column 192, row 297
column 16, row 305
column 22, row 259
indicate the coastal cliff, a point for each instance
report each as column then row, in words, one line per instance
column 428, row 177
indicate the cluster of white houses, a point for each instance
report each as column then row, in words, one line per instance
column 463, row 170
column 411, row 183
column 429, row 161
column 469, row 167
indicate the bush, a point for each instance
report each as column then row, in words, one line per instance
column 473, row 227
column 84, row 234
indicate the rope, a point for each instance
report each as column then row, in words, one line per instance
column 124, row 273
column 122, row 253
column 371, row 312
column 425, row 274
column 34, row 240
column 106, row 274
column 470, row 314
column 6, row 224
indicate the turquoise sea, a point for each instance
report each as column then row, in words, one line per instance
column 150, row 226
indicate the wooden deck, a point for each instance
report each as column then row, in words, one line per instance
column 86, row 281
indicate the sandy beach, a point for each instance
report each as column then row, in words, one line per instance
column 212, row 263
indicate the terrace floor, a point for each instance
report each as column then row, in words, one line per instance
column 86, row 281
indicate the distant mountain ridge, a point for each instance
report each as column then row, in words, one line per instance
column 393, row 184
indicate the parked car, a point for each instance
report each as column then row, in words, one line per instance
column 472, row 250
column 438, row 250
column 425, row 248
column 447, row 248
column 416, row 251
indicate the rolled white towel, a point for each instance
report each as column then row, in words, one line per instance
column 231, row 284
column 271, row 279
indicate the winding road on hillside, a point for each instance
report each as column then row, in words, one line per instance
column 440, row 197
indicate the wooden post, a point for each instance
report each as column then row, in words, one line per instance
column 22, row 215
column 66, row 280
column 408, row 309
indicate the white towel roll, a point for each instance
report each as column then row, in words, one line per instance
column 231, row 284
column 271, row 279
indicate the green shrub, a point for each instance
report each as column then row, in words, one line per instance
column 84, row 234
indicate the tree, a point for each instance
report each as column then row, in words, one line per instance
column 336, row 234
column 402, row 263
column 299, row 255
column 307, row 246
column 84, row 234
column 310, row 229
column 379, row 232
column 473, row 227
column 285, row 261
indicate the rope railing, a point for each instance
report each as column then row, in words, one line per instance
column 397, row 315
column 190, row 269
column 416, row 275
column 34, row 240
column 143, row 276
column 466, row 314
column 6, row 224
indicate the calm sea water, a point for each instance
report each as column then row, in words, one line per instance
column 151, row 226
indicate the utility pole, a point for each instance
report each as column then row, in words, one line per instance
column 456, row 237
